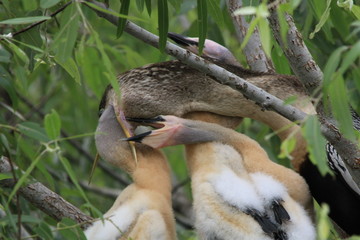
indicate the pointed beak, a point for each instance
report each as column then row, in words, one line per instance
column 160, row 137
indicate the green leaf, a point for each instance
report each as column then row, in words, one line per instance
column 70, row 67
column 48, row 3
column 114, row 13
column 246, row 11
column 33, row 130
column 284, row 26
column 287, row 147
column 323, row 19
column 339, row 104
column 44, row 231
column 5, row 176
column 250, row 31
column 323, row 226
column 356, row 11
column 316, row 144
column 18, row 52
column 265, row 36
column 163, row 22
column 24, row 177
column 25, row 20
column 124, row 10
column 72, row 176
column 52, row 124
column 202, row 23
column 216, row 12
column 332, row 65
column 350, row 57
column 65, row 39
column 140, row 5
column 70, row 229
column 148, row 6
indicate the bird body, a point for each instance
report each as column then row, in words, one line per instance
column 229, row 201
column 173, row 88
column 143, row 209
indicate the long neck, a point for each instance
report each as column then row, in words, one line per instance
column 152, row 171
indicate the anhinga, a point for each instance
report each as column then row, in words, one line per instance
column 173, row 88
column 233, row 197
column 143, row 209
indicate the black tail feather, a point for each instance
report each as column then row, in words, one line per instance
column 280, row 212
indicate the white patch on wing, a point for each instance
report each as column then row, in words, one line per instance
column 236, row 191
column 113, row 226
column 268, row 187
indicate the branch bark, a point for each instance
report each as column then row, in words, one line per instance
column 253, row 51
column 44, row 199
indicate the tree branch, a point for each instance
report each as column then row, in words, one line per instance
column 253, row 51
column 44, row 199
column 306, row 69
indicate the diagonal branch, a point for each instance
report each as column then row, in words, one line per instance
column 253, row 51
column 43, row 198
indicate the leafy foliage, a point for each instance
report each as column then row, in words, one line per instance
column 53, row 75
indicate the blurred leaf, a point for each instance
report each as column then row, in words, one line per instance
column 18, row 52
column 250, row 31
column 140, row 5
column 332, row 65
column 9, row 85
column 24, row 20
column 216, row 12
column 48, row 3
column 290, row 100
column 287, row 147
column 5, row 176
column 176, row 4
column 163, row 22
column 124, row 10
column 356, row 11
column 202, row 21
column 323, row 19
column 114, row 13
column 70, row 229
column 65, row 38
column 52, row 124
column 340, row 107
column 284, row 26
column 44, row 231
column 72, row 176
column 246, row 11
column 347, row 4
column 148, row 6
column 323, row 226
column 71, row 68
column 316, row 144
column 24, row 177
column 350, row 57
column 265, row 37
column 4, row 56
column 33, row 130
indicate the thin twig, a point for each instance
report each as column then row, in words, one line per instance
column 40, row 22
